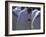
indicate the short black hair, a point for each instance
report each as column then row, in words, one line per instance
column 29, row 10
column 22, row 8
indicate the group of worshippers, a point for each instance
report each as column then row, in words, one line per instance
column 25, row 18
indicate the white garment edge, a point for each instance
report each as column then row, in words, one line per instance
column 20, row 13
column 35, row 16
column 34, row 11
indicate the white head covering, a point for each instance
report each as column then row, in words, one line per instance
column 17, row 10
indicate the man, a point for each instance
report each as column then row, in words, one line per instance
column 24, row 20
column 15, row 14
column 36, row 19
